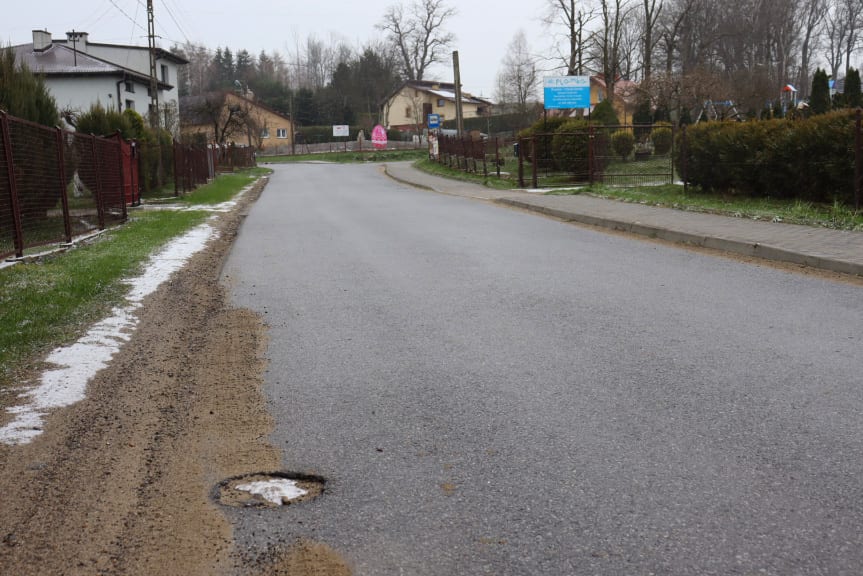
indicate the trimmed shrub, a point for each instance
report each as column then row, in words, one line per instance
column 662, row 137
column 543, row 130
column 623, row 142
column 810, row 160
column 570, row 146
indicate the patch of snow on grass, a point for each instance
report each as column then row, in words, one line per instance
column 78, row 363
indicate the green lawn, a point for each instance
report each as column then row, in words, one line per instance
column 51, row 302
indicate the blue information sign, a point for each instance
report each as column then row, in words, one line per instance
column 563, row 92
column 434, row 121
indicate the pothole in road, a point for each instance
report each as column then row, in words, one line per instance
column 268, row 489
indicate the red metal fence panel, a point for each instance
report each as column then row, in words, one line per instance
column 32, row 189
column 55, row 185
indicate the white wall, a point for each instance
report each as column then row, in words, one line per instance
column 138, row 59
column 80, row 93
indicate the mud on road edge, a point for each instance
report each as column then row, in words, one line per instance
column 121, row 482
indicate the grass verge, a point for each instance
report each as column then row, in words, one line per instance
column 51, row 302
column 507, row 181
column 835, row 216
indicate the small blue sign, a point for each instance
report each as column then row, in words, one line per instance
column 434, row 121
column 564, row 92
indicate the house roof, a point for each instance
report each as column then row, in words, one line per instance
column 192, row 112
column 60, row 60
column 161, row 53
column 441, row 90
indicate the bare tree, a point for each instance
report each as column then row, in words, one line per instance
column 227, row 120
column 418, row 34
column 194, row 76
column 854, row 14
column 609, row 40
column 573, row 17
column 812, row 13
column 651, row 15
column 518, row 78
column 670, row 26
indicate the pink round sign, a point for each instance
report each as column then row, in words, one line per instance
column 379, row 137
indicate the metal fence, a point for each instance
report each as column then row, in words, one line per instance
column 629, row 155
column 56, row 184
column 192, row 167
column 483, row 155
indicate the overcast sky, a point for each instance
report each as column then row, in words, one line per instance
column 483, row 28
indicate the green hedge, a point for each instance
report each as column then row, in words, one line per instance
column 810, row 160
column 496, row 124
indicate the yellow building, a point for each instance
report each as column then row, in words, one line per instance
column 625, row 96
column 228, row 117
column 409, row 106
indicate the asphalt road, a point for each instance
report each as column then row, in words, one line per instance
column 493, row 392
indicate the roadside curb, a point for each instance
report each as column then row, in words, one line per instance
column 762, row 251
column 405, row 181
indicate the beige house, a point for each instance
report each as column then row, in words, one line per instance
column 409, row 106
column 229, row 117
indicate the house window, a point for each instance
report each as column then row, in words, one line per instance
column 265, row 133
column 130, row 104
column 281, row 132
column 165, row 74
column 441, row 102
column 130, row 87
column 408, row 112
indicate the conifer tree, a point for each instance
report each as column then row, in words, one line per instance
column 853, row 98
column 819, row 101
column 23, row 94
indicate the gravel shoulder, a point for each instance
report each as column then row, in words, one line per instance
column 121, row 483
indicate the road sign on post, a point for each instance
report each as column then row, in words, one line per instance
column 565, row 92
column 434, row 121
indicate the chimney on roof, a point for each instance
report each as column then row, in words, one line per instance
column 78, row 40
column 41, row 40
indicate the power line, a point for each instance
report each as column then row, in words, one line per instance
column 123, row 12
column 171, row 14
column 93, row 21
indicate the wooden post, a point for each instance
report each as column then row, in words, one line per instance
column 459, row 116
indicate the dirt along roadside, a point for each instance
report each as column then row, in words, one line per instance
column 121, row 482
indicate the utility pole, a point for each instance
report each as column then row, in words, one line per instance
column 459, row 117
column 154, row 84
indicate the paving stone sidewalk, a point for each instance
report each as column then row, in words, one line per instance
column 821, row 248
